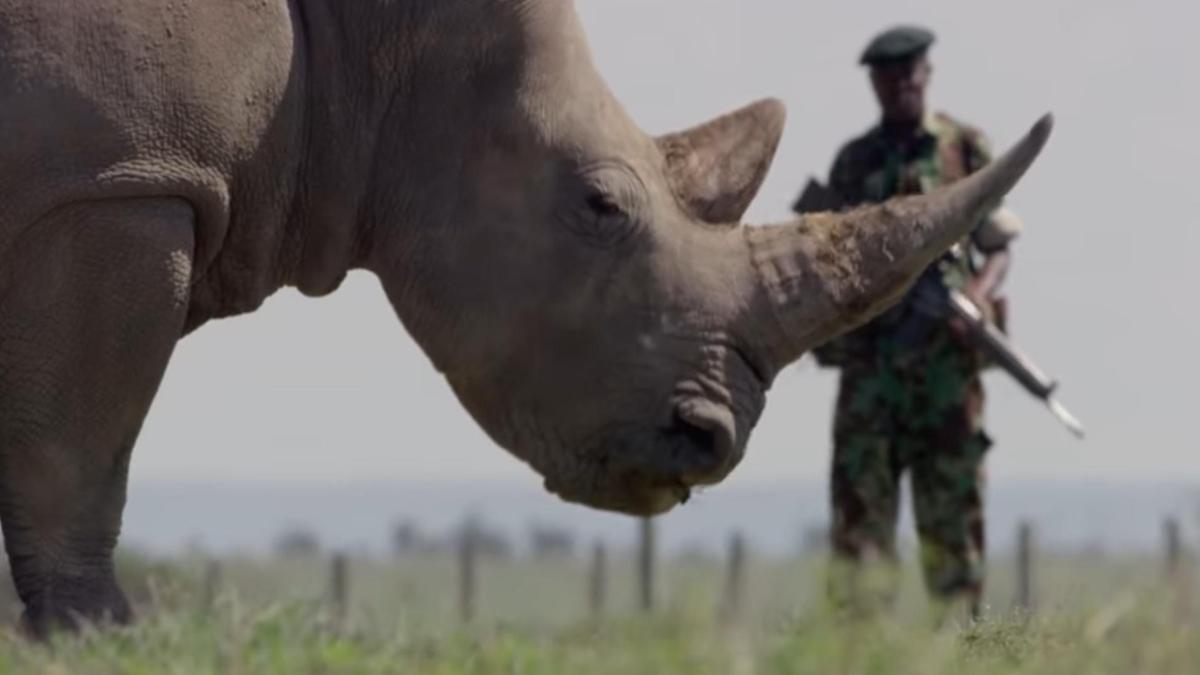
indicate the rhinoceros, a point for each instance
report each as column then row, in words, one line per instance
column 586, row 289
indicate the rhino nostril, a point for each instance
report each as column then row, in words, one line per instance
column 698, row 438
column 704, row 453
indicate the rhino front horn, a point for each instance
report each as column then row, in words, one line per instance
column 827, row 273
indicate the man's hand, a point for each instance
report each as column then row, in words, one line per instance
column 978, row 293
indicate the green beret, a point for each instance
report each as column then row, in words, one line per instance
column 897, row 44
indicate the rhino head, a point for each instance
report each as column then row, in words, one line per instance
column 590, row 294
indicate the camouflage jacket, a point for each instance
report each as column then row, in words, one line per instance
column 873, row 168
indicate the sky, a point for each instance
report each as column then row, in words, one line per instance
column 333, row 391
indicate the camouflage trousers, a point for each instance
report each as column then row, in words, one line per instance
column 926, row 422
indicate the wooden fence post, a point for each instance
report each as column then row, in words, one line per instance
column 1174, row 548
column 1181, row 575
column 467, row 565
column 339, row 584
column 1025, row 600
column 646, row 565
column 598, row 581
column 735, row 579
column 213, row 578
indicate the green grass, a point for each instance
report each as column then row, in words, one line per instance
column 1098, row 617
column 297, row 639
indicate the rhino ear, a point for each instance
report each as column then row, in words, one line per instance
column 717, row 168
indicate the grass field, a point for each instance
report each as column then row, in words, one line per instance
column 1095, row 615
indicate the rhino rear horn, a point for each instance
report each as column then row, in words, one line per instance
column 716, row 169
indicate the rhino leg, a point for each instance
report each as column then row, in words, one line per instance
column 92, row 301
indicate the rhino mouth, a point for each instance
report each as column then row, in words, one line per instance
column 705, row 437
column 648, row 472
column 645, row 469
column 700, row 452
column 711, row 413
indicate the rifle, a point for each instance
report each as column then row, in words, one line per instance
column 933, row 299
column 1000, row 348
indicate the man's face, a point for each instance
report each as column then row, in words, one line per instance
column 900, row 88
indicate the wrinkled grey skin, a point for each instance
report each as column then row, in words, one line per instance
column 585, row 288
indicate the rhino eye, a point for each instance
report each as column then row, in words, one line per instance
column 603, row 205
column 602, row 220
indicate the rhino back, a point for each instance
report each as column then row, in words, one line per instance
column 110, row 98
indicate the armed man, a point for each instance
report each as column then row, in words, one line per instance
column 910, row 397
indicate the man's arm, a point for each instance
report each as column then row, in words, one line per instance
column 993, row 235
column 984, row 287
column 993, row 239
